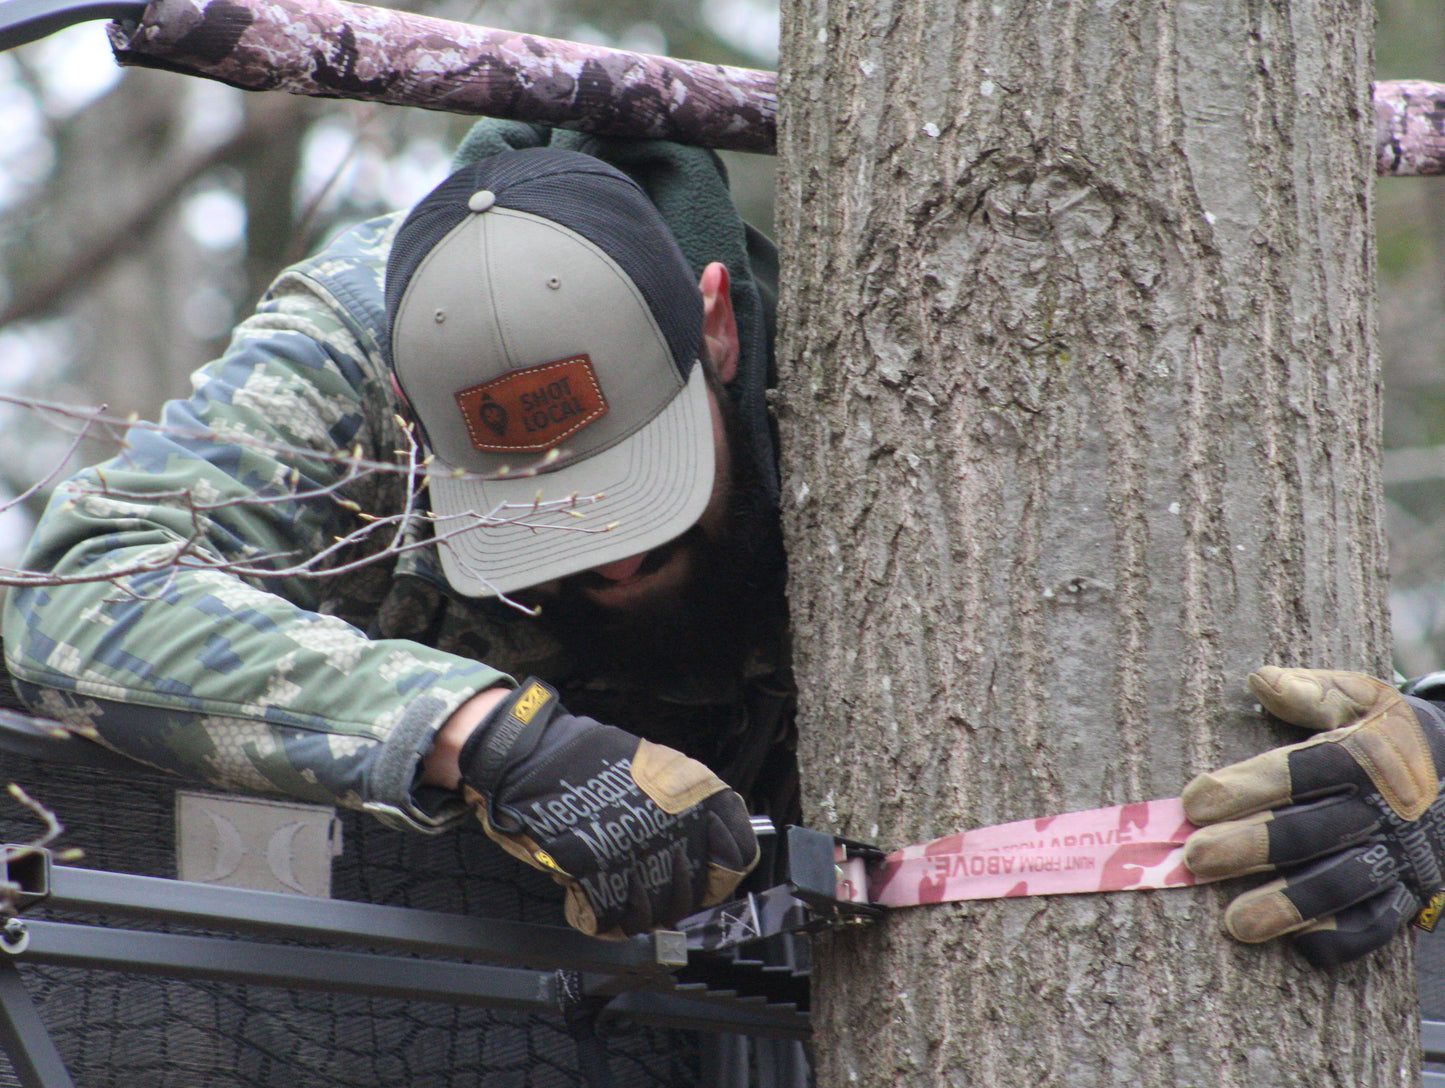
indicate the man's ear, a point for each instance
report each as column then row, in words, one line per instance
column 719, row 326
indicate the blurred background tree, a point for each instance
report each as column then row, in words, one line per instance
column 1410, row 44
column 142, row 213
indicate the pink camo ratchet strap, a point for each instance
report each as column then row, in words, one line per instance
column 833, row 881
column 1124, row 847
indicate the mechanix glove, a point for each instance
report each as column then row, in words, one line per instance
column 1352, row 818
column 639, row 834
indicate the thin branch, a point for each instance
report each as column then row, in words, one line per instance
column 385, row 536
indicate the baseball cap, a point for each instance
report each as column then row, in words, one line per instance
column 545, row 328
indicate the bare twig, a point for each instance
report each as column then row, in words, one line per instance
column 384, row 535
column 53, row 827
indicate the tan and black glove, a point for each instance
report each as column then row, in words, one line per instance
column 1352, row 818
column 640, row 835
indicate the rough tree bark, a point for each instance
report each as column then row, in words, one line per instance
column 1080, row 420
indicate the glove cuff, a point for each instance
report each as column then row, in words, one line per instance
column 1431, row 686
column 507, row 735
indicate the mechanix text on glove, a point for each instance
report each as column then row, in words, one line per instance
column 640, row 835
column 1352, row 819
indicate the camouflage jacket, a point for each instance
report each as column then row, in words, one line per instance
column 195, row 645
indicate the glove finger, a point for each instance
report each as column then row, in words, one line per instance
column 1376, row 728
column 1357, row 930
column 1318, row 699
column 1286, row 836
column 682, row 895
column 645, row 891
column 580, row 915
column 1388, row 753
column 1327, row 887
column 1315, row 699
column 1265, row 781
column 731, row 841
column 675, row 782
column 727, row 864
column 607, row 902
column 638, row 912
column 660, row 890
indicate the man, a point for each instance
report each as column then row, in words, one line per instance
column 551, row 343
column 504, row 329
column 581, row 352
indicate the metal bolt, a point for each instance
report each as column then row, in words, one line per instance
column 14, row 937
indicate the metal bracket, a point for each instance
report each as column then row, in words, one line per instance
column 25, row 21
column 830, row 875
column 24, row 877
column 824, row 885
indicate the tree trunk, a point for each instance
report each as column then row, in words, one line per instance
column 1080, row 417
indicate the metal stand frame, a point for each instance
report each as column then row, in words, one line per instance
column 341, row 946
column 1432, row 1041
column 353, row 948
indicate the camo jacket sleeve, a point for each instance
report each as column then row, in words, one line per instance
column 239, row 682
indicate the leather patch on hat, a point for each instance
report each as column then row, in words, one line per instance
column 534, row 408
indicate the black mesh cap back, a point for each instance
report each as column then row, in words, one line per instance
column 585, row 195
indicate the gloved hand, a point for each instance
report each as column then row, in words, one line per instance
column 1359, row 803
column 639, row 834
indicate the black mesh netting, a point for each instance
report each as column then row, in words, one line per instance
column 1430, row 970
column 1430, row 974
column 126, row 1031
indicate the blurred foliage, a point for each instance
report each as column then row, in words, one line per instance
column 1410, row 223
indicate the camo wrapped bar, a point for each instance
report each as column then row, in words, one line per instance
column 1409, row 128
column 333, row 49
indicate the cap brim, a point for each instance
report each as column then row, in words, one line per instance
column 501, row 535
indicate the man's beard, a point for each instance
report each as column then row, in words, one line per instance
column 705, row 630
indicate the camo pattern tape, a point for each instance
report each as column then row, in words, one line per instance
column 333, row 49
column 1409, row 128
column 1121, row 848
